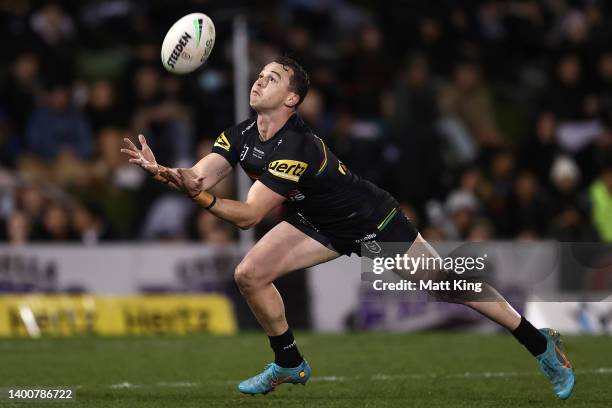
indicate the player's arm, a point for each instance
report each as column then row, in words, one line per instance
column 244, row 214
column 211, row 169
column 208, row 171
column 260, row 201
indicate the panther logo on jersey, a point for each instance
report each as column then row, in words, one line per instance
column 222, row 142
column 288, row 169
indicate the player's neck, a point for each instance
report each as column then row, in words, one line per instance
column 268, row 123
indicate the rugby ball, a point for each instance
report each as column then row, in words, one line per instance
column 188, row 43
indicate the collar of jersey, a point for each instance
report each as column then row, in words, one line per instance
column 291, row 121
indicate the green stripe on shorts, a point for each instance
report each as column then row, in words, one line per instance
column 388, row 218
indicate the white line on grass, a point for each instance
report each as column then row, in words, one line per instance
column 377, row 377
column 178, row 384
column 486, row 374
column 124, row 385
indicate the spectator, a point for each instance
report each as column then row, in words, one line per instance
column 312, row 111
column 567, row 95
column 565, row 177
column 21, row 90
column 600, row 194
column 481, row 231
column 57, row 127
column 55, row 31
column 103, row 109
column 462, row 207
column 8, row 143
column 56, row 225
column 605, row 85
column 88, row 221
column 412, row 104
column 32, row 202
column 528, row 206
column 539, row 150
column 18, row 228
column 468, row 99
column 160, row 114
column 367, row 71
column 501, row 173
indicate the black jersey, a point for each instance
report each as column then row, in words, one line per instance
column 298, row 165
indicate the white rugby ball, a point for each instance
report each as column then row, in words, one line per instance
column 188, row 43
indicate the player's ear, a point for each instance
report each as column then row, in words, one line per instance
column 292, row 100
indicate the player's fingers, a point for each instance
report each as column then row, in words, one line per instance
column 172, row 176
column 131, row 153
column 142, row 140
column 135, row 161
column 164, row 171
column 130, row 144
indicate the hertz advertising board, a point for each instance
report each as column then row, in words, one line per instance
column 39, row 315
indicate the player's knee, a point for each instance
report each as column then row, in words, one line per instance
column 248, row 275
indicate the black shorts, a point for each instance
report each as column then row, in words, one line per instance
column 366, row 241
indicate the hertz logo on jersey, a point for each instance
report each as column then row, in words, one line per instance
column 222, row 142
column 288, row 169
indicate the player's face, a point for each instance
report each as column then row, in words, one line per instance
column 271, row 89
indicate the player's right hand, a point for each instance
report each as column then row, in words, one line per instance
column 143, row 157
column 185, row 179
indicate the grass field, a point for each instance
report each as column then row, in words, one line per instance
column 356, row 370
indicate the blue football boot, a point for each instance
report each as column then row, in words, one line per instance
column 556, row 366
column 274, row 375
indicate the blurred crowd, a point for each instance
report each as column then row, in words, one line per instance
column 486, row 119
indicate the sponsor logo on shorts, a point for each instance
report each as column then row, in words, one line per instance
column 222, row 142
column 372, row 246
column 287, row 169
column 366, row 238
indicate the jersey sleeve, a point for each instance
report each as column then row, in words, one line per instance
column 227, row 144
column 288, row 166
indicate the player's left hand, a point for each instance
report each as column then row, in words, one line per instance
column 185, row 179
column 143, row 157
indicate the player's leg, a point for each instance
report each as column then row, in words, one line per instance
column 283, row 249
column 542, row 344
column 495, row 307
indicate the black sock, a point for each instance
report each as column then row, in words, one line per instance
column 530, row 337
column 286, row 353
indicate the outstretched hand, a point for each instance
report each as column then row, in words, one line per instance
column 185, row 179
column 143, row 157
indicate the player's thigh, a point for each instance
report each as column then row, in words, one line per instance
column 420, row 248
column 284, row 249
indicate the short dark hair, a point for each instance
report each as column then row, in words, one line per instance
column 299, row 81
